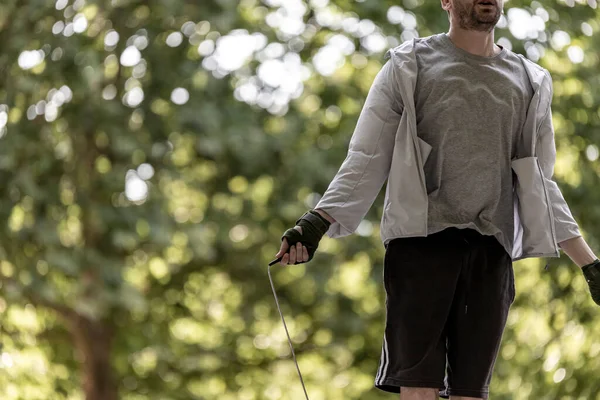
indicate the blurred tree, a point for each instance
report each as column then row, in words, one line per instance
column 149, row 162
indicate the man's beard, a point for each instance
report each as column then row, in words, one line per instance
column 472, row 18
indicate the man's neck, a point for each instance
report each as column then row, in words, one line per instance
column 474, row 42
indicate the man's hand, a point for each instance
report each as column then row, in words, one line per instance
column 303, row 240
column 592, row 276
column 298, row 253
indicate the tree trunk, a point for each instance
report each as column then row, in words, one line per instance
column 93, row 341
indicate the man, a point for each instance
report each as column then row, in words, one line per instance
column 461, row 129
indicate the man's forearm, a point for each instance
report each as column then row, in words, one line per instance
column 578, row 251
column 325, row 215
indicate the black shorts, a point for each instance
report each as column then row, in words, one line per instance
column 447, row 300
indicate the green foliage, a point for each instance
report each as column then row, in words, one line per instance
column 140, row 218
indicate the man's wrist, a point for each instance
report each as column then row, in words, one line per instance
column 324, row 215
column 595, row 262
column 321, row 218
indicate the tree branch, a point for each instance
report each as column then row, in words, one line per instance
column 35, row 299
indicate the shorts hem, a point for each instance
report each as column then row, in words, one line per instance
column 393, row 385
column 469, row 393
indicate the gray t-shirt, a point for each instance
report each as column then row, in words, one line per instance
column 470, row 109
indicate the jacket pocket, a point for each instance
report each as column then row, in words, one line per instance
column 425, row 149
column 534, row 208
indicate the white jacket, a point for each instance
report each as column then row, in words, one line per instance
column 385, row 146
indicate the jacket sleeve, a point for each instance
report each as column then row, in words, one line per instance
column 366, row 167
column 565, row 225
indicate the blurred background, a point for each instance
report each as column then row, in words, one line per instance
column 152, row 153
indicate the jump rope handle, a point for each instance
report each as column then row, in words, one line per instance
column 275, row 261
column 285, row 326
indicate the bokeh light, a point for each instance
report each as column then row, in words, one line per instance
column 130, row 56
column 180, row 96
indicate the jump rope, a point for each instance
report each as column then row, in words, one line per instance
column 284, row 324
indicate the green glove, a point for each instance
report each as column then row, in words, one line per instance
column 314, row 226
column 592, row 276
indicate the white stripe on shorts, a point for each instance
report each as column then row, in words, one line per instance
column 383, row 363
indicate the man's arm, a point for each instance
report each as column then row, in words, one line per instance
column 366, row 167
column 326, row 216
column 568, row 236
column 578, row 251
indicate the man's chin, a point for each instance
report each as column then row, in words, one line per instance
column 487, row 17
column 489, row 21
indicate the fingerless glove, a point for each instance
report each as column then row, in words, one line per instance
column 314, row 226
column 592, row 276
